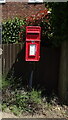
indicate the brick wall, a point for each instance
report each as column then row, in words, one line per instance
column 20, row 9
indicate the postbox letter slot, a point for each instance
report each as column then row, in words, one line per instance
column 32, row 35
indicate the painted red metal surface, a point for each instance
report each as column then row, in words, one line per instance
column 33, row 37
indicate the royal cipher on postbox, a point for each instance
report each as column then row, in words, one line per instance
column 33, row 38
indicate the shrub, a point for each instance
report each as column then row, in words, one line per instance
column 11, row 29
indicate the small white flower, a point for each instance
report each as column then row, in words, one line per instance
column 49, row 12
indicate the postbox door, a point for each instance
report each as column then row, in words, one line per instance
column 32, row 51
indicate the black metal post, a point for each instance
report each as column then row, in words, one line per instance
column 30, row 84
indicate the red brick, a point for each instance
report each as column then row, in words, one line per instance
column 20, row 9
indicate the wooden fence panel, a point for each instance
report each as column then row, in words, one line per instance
column 46, row 71
column 9, row 55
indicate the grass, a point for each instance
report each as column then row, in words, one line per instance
column 20, row 101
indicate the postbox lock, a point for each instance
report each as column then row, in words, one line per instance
column 32, row 41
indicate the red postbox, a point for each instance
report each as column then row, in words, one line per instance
column 33, row 35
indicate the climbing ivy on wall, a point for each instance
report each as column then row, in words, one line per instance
column 54, row 25
column 11, row 29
